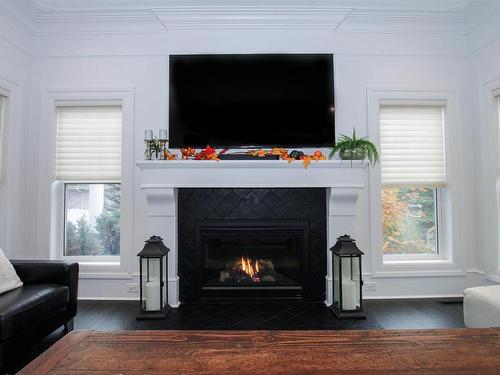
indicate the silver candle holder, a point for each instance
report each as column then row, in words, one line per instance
column 162, row 139
column 148, row 139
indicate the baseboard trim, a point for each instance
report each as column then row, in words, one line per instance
column 493, row 278
column 431, row 296
column 428, row 296
column 478, row 271
column 108, row 299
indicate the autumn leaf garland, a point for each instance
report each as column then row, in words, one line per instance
column 284, row 155
column 210, row 153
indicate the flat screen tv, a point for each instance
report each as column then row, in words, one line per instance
column 251, row 100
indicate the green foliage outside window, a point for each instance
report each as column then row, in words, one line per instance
column 409, row 221
column 103, row 238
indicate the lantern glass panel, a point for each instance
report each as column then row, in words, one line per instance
column 164, row 276
column 150, row 283
column 144, row 279
column 349, row 294
column 356, row 277
column 336, row 278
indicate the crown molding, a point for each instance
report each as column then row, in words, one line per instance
column 14, row 30
column 405, row 21
column 238, row 17
column 429, row 5
column 79, row 18
column 52, row 21
column 106, row 15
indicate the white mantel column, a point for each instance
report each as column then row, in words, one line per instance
column 162, row 221
column 342, row 212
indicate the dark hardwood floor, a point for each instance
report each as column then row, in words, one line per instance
column 382, row 314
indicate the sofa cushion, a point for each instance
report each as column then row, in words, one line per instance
column 8, row 276
column 23, row 308
column 482, row 306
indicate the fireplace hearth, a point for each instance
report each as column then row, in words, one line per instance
column 252, row 243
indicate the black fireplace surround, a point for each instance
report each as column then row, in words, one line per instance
column 254, row 243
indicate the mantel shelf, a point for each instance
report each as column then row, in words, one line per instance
column 243, row 164
column 250, row 173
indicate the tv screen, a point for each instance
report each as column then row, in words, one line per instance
column 261, row 100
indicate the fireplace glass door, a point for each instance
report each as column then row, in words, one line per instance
column 252, row 262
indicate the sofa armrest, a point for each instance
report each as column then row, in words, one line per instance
column 51, row 272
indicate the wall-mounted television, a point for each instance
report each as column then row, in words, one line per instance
column 251, row 100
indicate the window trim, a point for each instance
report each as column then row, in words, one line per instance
column 125, row 96
column 11, row 160
column 452, row 261
column 5, row 94
column 496, row 97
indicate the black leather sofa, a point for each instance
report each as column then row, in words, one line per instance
column 45, row 302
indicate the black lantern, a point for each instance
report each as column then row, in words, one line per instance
column 347, row 282
column 153, row 280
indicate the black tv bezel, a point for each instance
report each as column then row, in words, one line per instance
column 249, row 146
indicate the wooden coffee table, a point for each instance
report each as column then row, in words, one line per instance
column 453, row 351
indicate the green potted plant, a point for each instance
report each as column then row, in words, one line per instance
column 156, row 147
column 352, row 148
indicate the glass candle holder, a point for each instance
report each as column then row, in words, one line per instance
column 162, row 135
column 148, row 135
column 148, row 139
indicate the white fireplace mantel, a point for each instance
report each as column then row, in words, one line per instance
column 161, row 179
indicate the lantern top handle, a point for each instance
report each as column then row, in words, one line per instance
column 345, row 238
column 154, row 248
column 346, row 246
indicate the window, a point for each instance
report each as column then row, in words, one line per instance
column 2, row 106
column 413, row 172
column 88, row 165
column 497, row 94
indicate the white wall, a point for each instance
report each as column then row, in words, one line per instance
column 485, row 78
column 15, row 80
column 363, row 61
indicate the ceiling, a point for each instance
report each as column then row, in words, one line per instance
column 74, row 16
column 81, row 5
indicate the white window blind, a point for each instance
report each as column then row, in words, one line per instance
column 89, row 140
column 412, row 149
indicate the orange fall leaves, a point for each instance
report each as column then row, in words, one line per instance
column 284, row 155
column 210, row 153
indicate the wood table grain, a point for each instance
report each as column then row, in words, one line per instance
column 442, row 351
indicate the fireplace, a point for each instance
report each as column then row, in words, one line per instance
column 252, row 258
column 180, row 193
column 252, row 243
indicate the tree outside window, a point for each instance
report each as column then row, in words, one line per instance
column 409, row 221
column 92, row 219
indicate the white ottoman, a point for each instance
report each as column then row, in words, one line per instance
column 482, row 306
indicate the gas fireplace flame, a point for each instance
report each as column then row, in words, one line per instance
column 246, row 270
column 249, row 266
